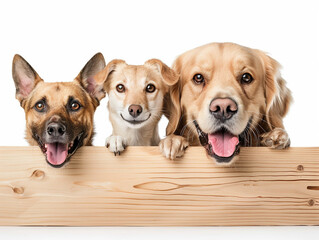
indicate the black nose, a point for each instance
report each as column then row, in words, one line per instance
column 135, row 110
column 223, row 108
column 56, row 129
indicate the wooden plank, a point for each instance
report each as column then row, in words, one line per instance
column 142, row 188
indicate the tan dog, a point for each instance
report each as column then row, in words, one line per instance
column 136, row 95
column 227, row 96
column 59, row 115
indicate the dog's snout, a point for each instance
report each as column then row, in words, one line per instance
column 223, row 108
column 56, row 129
column 135, row 110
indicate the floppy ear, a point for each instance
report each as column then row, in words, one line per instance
column 170, row 77
column 172, row 98
column 172, row 103
column 104, row 75
column 278, row 96
column 25, row 78
column 87, row 80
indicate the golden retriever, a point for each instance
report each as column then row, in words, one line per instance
column 136, row 95
column 227, row 96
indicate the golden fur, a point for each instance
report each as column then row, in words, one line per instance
column 135, row 79
column 265, row 101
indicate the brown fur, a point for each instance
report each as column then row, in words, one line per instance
column 30, row 89
column 57, row 100
column 266, row 100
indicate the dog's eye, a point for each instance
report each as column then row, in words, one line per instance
column 75, row 106
column 120, row 88
column 40, row 106
column 246, row 78
column 150, row 88
column 198, row 79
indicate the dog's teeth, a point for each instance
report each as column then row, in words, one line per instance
column 71, row 145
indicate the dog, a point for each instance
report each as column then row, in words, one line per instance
column 136, row 101
column 227, row 96
column 59, row 115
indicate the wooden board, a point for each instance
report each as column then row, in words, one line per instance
column 142, row 188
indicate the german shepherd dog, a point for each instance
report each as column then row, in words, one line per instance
column 59, row 115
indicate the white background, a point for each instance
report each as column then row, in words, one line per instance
column 58, row 37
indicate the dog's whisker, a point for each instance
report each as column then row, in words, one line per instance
column 186, row 125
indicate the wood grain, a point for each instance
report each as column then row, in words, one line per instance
column 142, row 188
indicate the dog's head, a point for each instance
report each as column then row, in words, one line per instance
column 136, row 93
column 59, row 115
column 226, row 93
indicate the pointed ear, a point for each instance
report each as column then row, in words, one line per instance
column 25, row 78
column 173, row 109
column 86, row 77
column 105, row 74
column 278, row 96
column 169, row 76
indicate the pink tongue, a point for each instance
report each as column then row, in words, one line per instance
column 223, row 144
column 57, row 153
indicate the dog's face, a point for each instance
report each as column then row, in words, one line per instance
column 136, row 93
column 226, row 91
column 59, row 115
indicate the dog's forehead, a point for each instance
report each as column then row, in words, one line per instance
column 219, row 55
column 58, row 93
column 139, row 75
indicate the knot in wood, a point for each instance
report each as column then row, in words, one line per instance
column 158, row 186
column 311, row 202
column 18, row 190
column 38, row 174
column 300, row 168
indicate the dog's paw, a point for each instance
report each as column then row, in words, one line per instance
column 173, row 146
column 277, row 138
column 116, row 144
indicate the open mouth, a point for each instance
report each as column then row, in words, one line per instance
column 58, row 153
column 135, row 122
column 221, row 145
